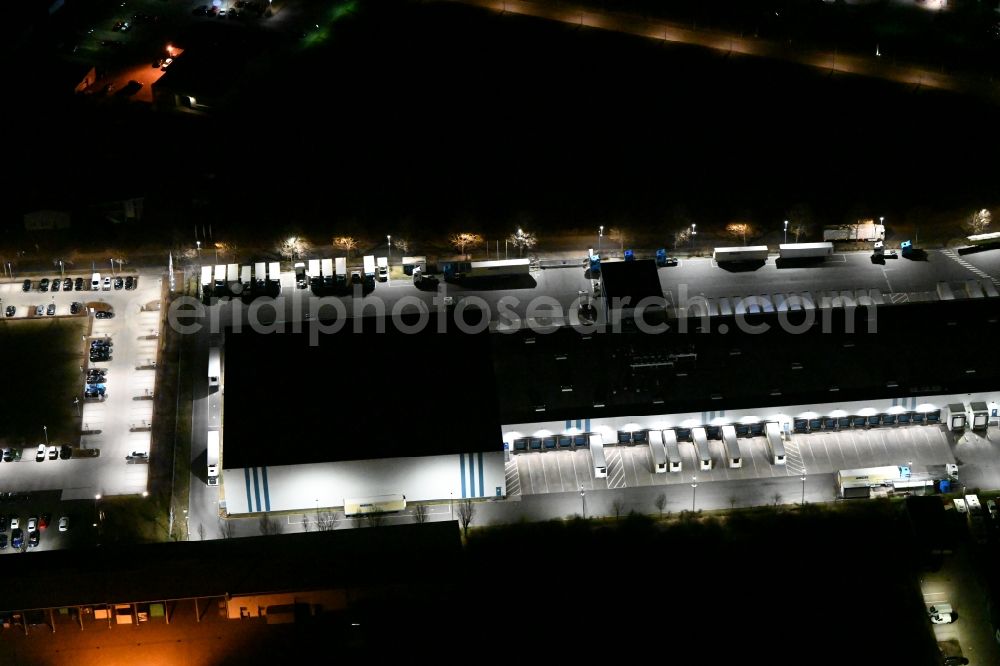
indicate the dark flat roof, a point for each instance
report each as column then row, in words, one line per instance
column 253, row 565
column 357, row 396
column 922, row 349
column 634, row 280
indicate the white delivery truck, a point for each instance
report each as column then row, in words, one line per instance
column 95, row 282
column 383, row 268
column 327, row 267
column 341, row 271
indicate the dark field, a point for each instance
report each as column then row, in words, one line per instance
column 42, row 376
column 419, row 119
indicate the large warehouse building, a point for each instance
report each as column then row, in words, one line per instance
column 438, row 416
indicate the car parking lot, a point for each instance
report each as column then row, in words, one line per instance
column 118, row 422
column 40, row 518
column 814, row 453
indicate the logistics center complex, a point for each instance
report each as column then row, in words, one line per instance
column 458, row 411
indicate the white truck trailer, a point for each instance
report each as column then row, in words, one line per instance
column 220, row 276
column 735, row 254
column 369, row 266
column 805, row 250
column 341, row 264
column 865, row 230
column 315, row 276
column 382, row 263
column 213, row 457
column 326, row 266
column 206, row 279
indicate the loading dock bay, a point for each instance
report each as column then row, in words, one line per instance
column 814, row 453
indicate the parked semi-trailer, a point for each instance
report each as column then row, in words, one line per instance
column 326, row 266
column 220, row 276
column 259, row 275
column 734, row 254
column 232, row 273
column 383, row 268
column 206, row 279
column 369, row 265
column 301, row 281
column 804, row 250
column 245, row 276
column 274, row 273
column 341, row 264
column 865, row 230
column 459, row 270
column 315, row 277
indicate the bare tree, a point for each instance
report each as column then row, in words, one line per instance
column 463, row 240
column 267, row 525
column 740, row 230
column 618, row 506
column 523, row 240
column 227, row 529
column 777, row 497
column 420, row 513
column 979, row 221
column 798, row 229
column 618, row 234
column 201, row 532
column 346, row 243
column 375, row 518
column 293, row 247
column 306, row 523
column 732, row 501
column 402, row 245
column 661, row 503
column 682, row 236
column 466, row 509
column 326, row 521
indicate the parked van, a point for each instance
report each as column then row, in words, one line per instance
column 95, row 282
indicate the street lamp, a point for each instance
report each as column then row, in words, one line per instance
column 694, row 491
column 786, row 231
column 76, row 401
column 803, row 479
column 46, row 429
column 388, row 242
column 600, row 235
column 694, row 232
column 583, row 500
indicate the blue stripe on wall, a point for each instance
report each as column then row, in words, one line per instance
column 482, row 490
column 588, row 425
column 461, row 471
column 579, row 424
column 568, row 422
column 246, row 476
column 267, row 494
column 256, row 489
column 472, row 476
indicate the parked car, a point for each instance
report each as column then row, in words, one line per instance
column 166, row 63
column 15, row 522
column 64, row 524
column 43, row 285
column 53, row 453
column 26, row 285
column 104, row 314
column 32, row 524
column 39, row 310
column 76, row 308
column 51, row 309
column 56, row 283
column 3, row 541
column 8, row 455
column 40, row 455
column 11, row 310
column 33, row 538
column 107, row 284
column 16, row 538
column 44, row 520
column 130, row 282
column 66, row 452
column 78, row 284
column 67, row 284
column 119, row 283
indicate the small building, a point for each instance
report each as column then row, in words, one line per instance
column 47, row 220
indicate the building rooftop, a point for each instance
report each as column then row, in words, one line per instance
column 254, row 565
column 918, row 349
column 632, row 280
column 357, row 396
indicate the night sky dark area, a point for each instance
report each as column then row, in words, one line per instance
column 430, row 118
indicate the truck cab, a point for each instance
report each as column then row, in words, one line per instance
column 383, row 269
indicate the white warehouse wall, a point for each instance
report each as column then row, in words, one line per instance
column 291, row 487
column 609, row 427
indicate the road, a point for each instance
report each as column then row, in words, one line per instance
column 871, row 66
